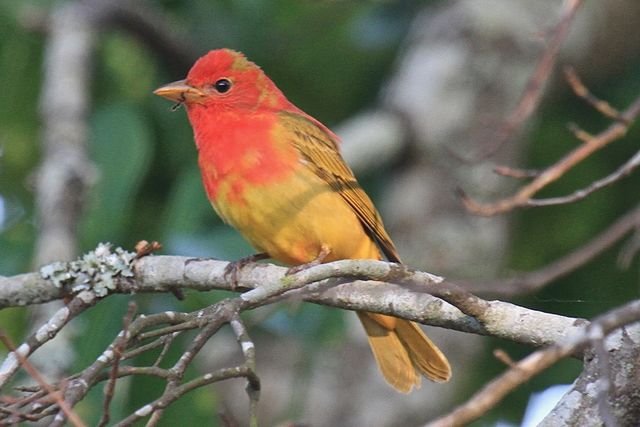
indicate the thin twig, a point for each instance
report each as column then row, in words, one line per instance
column 167, row 341
column 253, row 381
column 622, row 172
column 502, row 356
column 581, row 90
column 47, row 332
column 630, row 249
column 493, row 392
column 532, row 94
column 118, row 350
column 51, row 392
column 536, row 280
column 80, row 385
column 19, row 415
column 167, row 399
column 557, row 170
column 160, row 342
column 516, row 173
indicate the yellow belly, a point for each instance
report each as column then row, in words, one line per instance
column 291, row 220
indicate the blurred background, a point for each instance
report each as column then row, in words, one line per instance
column 417, row 89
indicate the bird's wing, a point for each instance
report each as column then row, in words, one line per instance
column 319, row 147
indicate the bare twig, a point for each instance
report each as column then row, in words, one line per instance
column 118, row 350
column 253, row 381
column 167, row 399
column 535, row 280
column 80, row 385
column 54, row 394
column 622, row 172
column 630, row 249
column 178, row 370
column 461, row 298
column 502, row 356
column 581, row 90
column 516, row 173
column 496, row 390
column 551, row 174
column 209, row 320
column 532, row 94
column 47, row 332
column 167, row 340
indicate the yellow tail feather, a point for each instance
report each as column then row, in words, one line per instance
column 403, row 352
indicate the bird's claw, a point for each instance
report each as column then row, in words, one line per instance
column 322, row 255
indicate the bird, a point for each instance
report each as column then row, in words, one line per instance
column 276, row 175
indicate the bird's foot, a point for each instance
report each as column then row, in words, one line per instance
column 325, row 250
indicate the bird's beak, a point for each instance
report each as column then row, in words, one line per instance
column 181, row 91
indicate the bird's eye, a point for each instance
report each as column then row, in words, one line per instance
column 222, row 85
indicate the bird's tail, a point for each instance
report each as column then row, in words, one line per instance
column 403, row 352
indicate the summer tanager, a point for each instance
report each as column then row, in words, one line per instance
column 276, row 175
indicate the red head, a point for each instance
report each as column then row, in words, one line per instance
column 224, row 79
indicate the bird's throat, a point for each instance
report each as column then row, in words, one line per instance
column 238, row 151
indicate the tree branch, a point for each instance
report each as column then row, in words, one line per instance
column 590, row 145
column 348, row 284
column 535, row 280
column 521, row 372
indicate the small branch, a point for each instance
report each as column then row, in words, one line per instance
column 536, row 280
column 516, row 173
column 80, row 384
column 253, row 381
column 45, row 333
column 502, row 356
column 581, row 90
column 166, row 343
column 118, row 350
column 532, row 94
column 460, row 298
column 325, row 284
column 622, row 172
column 630, row 249
column 492, row 393
column 51, row 392
column 167, row 399
column 554, row 172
